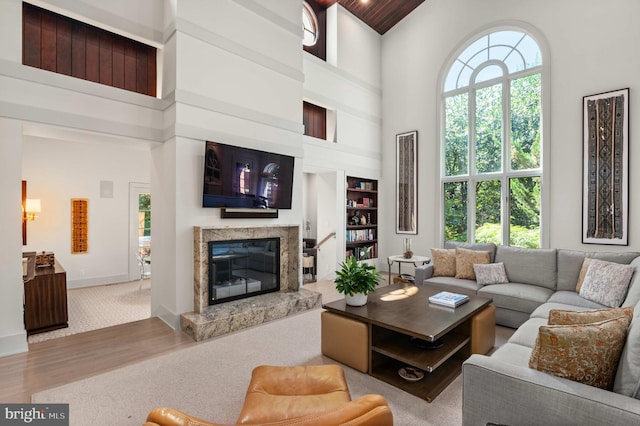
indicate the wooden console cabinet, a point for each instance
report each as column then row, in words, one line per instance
column 45, row 300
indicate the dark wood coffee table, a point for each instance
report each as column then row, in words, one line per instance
column 401, row 322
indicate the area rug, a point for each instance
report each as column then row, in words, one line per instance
column 92, row 308
column 209, row 380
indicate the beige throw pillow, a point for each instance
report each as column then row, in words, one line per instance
column 444, row 262
column 465, row 259
column 585, row 353
column 583, row 272
column 606, row 282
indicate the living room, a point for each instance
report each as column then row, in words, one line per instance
column 234, row 72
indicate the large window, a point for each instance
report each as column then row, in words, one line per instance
column 491, row 170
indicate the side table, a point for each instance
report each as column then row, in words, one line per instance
column 400, row 259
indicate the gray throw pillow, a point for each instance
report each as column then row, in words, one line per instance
column 606, row 282
column 490, row 273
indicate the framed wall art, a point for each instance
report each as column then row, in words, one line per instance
column 605, row 198
column 406, row 183
column 79, row 225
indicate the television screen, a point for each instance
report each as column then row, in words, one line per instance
column 246, row 178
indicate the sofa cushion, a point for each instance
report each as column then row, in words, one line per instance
column 627, row 380
column 513, row 353
column 465, row 259
column 491, row 273
column 543, row 310
column 570, row 262
column 516, row 296
column 633, row 293
column 444, row 262
column 529, row 266
column 574, row 299
column 490, row 247
column 527, row 333
column 468, row 287
column 606, row 282
column 585, row 353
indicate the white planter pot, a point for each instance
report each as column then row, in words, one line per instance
column 358, row 299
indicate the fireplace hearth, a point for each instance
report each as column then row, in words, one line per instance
column 253, row 307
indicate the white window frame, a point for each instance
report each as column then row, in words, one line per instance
column 308, row 10
column 471, row 178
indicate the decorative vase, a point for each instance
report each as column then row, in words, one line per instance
column 408, row 254
column 358, row 299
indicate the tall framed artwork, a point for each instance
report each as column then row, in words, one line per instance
column 605, row 197
column 406, row 183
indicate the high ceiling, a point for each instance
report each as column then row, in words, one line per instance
column 380, row 15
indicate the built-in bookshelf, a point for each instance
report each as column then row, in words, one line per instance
column 361, row 218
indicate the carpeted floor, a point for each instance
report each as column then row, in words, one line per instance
column 91, row 308
column 209, row 380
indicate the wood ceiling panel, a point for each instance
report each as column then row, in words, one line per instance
column 380, row 15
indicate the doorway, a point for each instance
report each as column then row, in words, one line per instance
column 139, row 230
column 323, row 217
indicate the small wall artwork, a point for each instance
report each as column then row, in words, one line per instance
column 79, row 225
column 605, row 199
column 406, row 183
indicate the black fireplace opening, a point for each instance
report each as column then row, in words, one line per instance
column 243, row 268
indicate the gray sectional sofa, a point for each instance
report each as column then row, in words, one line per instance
column 501, row 388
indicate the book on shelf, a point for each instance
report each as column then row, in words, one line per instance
column 446, row 298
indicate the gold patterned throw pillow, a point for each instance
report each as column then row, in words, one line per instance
column 465, row 259
column 585, row 353
column 444, row 262
column 560, row 317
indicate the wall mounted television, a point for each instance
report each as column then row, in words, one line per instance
column 236, row 177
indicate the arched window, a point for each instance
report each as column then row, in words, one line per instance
column 491, row 165
column 309, row 24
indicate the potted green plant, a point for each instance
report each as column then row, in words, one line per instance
column 356, row 280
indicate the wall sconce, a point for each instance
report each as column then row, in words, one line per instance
column 31, row 208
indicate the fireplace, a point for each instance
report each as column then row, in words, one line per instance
column 243, row 268
column 255, row 307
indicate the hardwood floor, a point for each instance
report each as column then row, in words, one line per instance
column 64, row 360
column 68, row 359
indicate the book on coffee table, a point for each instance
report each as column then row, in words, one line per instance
column 446, row 298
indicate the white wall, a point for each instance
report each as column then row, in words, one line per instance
column 238, row 80
column 350, row 84
column 584, row 60
column 57, row 170
column 32, row 102
column 13, row 337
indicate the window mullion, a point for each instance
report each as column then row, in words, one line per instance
column 506, row 161
column 471, row 190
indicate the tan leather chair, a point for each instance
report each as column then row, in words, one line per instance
column 311, row 396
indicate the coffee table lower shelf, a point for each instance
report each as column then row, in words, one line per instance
column 386, row 369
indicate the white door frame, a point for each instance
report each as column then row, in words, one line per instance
column 135, row 189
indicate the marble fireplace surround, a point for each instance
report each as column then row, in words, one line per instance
column 208, row 321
